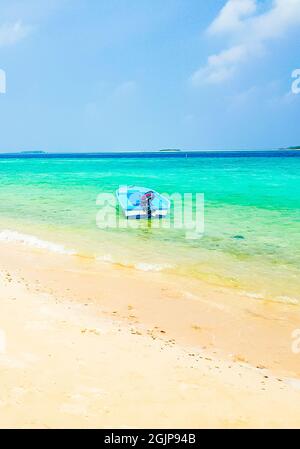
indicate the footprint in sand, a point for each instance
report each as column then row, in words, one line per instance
column 91, row 331
column 239, row 358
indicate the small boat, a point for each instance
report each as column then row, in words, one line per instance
column 140, row 202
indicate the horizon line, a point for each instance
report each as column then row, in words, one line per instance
column 158, row 151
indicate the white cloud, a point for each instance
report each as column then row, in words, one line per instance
column 11, row 33
column 232, row 14
column 221, row 66
column 248, row 32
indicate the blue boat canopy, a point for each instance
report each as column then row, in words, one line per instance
column 132, row 200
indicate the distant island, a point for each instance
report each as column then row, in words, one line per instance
column 170, row 150
column 32, row 152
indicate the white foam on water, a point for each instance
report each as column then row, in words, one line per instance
column 107, row 258
column 153, row 267
column 287, row 300
column 254, row 295
column 141, row 266
column 31, row 240
column 278, row 299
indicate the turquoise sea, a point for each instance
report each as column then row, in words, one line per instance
column 252, row 214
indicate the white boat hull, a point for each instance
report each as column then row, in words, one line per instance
column 130, row 202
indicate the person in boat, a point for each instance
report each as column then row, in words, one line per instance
column 146, row 201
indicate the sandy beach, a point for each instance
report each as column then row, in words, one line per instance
column 149, row 216
column 92, row 345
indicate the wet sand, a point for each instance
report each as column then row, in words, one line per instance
column 87, row 344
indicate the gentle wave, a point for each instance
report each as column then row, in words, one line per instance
column 141, row 266
column 279, row 299
column 107, row 258
column 31, row 240
column 153, row 267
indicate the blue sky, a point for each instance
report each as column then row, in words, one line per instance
column 100, row 75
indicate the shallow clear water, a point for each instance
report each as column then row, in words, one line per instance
column 252, row 215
